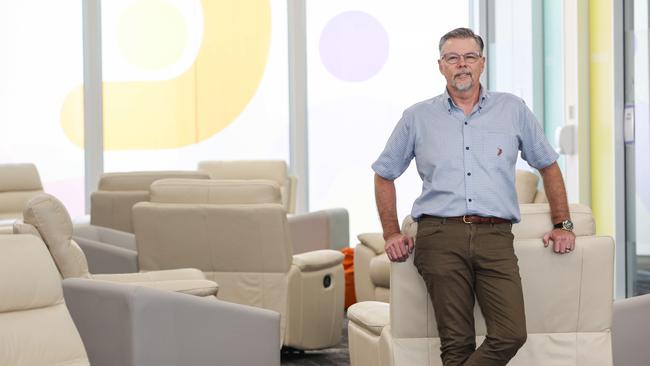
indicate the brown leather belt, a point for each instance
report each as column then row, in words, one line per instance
column 474, row 219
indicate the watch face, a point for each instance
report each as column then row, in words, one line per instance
column 567, row 225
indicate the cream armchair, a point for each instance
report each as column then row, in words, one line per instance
column 128, row 325
column 45, row 217
column 371, row 264
column 119, row 324
column 323, row 229
column 18, row 184
column 110, row 205
column 245, row 247
column 35, row 326
column 568, row 302
column 108, row 240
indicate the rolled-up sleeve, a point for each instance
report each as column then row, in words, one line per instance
column 535, row 148
column 399, row 150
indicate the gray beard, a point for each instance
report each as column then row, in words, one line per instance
column 464, row 86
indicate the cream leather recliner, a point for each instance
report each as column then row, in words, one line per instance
column 119, row 324
column 372, row 267
column 323, row 229
column 18, row 183
column 568, row 302
column 110, row 205
column 246, row 247
column 128, row 325
column 46, row 217
column 107, row 239
column 35, row 326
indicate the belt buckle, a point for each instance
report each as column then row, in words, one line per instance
column 465, row 220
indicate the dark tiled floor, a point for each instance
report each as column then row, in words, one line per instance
column 335, row 356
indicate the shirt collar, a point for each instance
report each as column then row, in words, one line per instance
column 449, row 103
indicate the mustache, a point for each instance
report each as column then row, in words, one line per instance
column 462, row 72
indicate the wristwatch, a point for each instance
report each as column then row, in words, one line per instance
column 564, row 225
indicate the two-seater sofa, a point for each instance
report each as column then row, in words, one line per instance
column 568, row 301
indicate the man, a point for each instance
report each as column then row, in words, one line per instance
column 465, row 143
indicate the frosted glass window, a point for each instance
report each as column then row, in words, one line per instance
column 191, row 80
column 367, row 62
column 41, row 64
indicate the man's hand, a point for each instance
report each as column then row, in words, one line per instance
column 563, row 241
column 398, row 246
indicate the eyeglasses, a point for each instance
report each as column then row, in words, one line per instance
column 454, row 58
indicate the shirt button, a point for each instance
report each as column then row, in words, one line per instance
column 469, row 173
column 466, row 147
column 465, row 122
column 470, row 200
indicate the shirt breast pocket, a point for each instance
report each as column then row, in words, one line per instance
column 500, row 148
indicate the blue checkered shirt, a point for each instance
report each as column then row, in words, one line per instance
column 467, row 163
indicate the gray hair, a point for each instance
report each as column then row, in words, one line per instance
column 460, row 33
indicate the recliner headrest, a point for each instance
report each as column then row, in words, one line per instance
column 19, row 177
column 50, row 217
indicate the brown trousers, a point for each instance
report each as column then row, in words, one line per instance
column 458, row 261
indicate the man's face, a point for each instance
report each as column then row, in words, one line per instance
column 462, row 75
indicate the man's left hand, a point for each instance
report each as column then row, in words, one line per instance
column 563, row 241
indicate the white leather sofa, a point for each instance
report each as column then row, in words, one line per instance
column 568, row 304
column 46, row 218
column 18, row 183
column 323, row 229
column 372, row 267
column 245, row 247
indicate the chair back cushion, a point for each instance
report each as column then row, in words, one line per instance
column 215, row 238
column 35, row 326
column 215, row 191
column 50, row 217
column 18, row 183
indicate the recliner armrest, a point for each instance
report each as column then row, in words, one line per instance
column 186, row 280
column 130, row 325
column 374, row 241
column 317, row 260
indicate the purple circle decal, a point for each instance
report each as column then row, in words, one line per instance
column 354, row 46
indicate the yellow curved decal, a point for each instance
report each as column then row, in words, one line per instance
column 161, row 114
